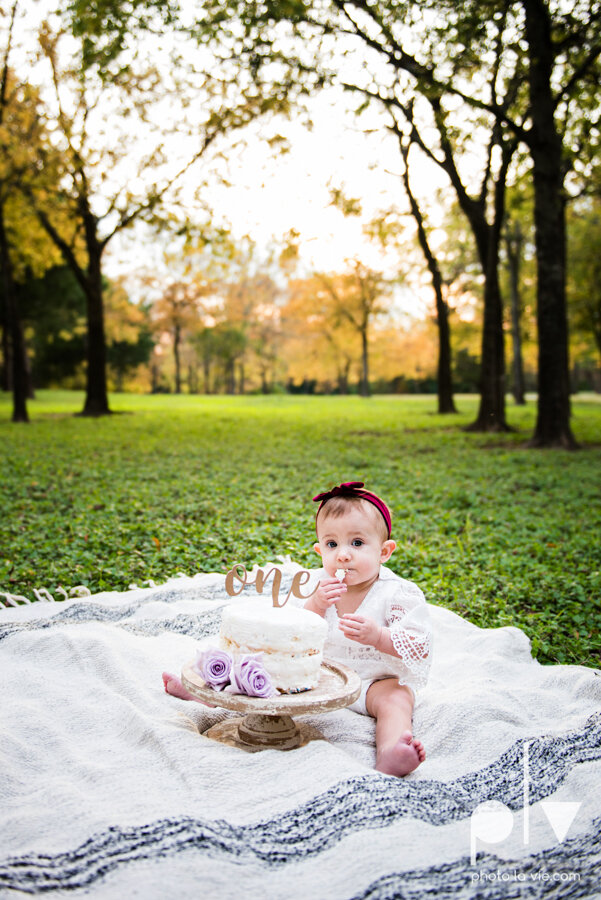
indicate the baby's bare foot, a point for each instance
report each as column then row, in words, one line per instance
column 174, row 687
column 403, row 757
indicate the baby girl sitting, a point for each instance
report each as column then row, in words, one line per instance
column 378, row 623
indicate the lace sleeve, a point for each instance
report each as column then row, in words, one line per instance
column 410, row 630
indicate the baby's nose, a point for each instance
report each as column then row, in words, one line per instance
column 343, row 553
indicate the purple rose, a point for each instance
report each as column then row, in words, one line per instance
column 249, row 677
column 215, row 666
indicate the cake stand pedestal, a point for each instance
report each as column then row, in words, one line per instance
column 268, row 723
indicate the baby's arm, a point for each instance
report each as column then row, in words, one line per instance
column 328, row 593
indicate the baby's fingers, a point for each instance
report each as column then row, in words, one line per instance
column 352, row 635
column 329, row 583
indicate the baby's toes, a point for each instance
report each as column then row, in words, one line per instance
column 420, row 750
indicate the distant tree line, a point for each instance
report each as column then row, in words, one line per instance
column 243, row 332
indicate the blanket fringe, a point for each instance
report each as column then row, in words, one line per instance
column 12, row 599
column 43, row 594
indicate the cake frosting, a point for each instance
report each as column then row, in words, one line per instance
column 290, row 639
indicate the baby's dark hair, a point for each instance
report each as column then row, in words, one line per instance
column 338, row 506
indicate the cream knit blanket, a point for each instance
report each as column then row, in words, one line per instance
column 108, row 787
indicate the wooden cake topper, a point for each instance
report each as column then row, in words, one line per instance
column 261, row 579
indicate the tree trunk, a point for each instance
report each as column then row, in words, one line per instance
column 513, row 244
column 230, row 376
column 154, row 378
column 96, row 402
column 491, row 413
column 597, row 335
column 364, row 386
column 192, row 378
column 178, row 374
column 20, row 379
column 343, row 376
column 7, row 379
column 264, row 381
column 446, row 403
column 16, row 341
column 487, row 235
column 553, row 419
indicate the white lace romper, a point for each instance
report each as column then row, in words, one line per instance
column 399, row 605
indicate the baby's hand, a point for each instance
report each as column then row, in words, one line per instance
column 360, row 629
column 330, row 590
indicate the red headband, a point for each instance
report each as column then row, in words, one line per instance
column 353, row 489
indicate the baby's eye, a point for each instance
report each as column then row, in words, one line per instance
column 330, row 544
column 357, row 542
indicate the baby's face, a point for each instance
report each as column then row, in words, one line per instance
column 352, row 541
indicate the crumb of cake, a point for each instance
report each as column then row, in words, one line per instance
column 340, row 573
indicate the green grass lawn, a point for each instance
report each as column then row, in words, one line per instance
column 501, row 534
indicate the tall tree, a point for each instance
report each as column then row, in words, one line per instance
column 483, row 207
column 357, row 297
column 444, row 377
column 24, row 248
column 14, row 346
column 562, row 47
column 386, row 229
column 514, row 242
column 177, row 313
column 553, row 39
column 13, row 343
column 129, row 169
column 530, row 68
column 411, row 69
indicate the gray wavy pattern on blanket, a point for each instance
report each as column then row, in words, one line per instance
column 117, row 847
column 199, row 625
column 358, row 804
column 453, row 880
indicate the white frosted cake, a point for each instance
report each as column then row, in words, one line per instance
column 290, row 639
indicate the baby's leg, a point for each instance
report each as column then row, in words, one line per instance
column 391, row 705
column 174, row 686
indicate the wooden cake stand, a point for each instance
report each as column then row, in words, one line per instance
column 268, row 723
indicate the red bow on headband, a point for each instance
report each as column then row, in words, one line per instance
column 354, row 488
column 347, row 487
